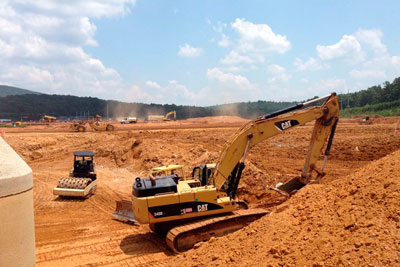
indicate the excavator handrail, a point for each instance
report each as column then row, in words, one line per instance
column 231, row 160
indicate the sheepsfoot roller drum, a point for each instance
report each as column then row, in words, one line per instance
column 83, row 179
column 184, row 237
column 75, row 187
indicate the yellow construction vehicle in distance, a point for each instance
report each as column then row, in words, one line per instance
column 101, row 126
column 191, row 210
column 47, row 118
column 169, row 114
column 78, row 126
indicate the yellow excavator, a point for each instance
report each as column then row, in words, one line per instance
column 169, row 114
column 192, row 210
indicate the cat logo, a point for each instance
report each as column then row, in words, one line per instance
column 202, row 207
column 283, row 125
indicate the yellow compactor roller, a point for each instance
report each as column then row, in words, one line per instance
column 194, row 209
column 82, row 180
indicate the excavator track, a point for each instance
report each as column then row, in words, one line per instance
column 74, row 183
column 184, row 237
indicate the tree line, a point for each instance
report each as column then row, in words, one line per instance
column 380, row 99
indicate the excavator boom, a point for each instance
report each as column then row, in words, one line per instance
column 231, row 160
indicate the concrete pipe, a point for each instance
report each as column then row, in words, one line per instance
column 17, row 233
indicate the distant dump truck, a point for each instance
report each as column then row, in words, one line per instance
column 82, row 180
column 47, row 118
column 128, row 120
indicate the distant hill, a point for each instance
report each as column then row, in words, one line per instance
column 6, row 90
column 32, row 107
column 21, row 104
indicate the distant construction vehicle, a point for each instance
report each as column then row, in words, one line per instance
column 365, row 121
column 82, row 180
column 78, row 126
column 96, row 125
column 101, row 126
column 169, row 114
column 162, row 117
column 47, row 118
column 128, row 120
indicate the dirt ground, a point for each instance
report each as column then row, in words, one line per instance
column 83, row 232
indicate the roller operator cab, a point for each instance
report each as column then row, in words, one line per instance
column 83, row 165
column 165, row 198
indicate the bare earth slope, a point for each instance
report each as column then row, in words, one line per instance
column 82, row 233
column 354, row 221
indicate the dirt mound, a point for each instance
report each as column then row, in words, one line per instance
column 354, row 221
column 217, row 119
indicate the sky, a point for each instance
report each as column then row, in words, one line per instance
column 198, row 52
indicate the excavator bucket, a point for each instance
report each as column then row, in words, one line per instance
column 289, row 188
column 124, row 210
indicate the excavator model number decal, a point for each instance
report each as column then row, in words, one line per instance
column 283, row 125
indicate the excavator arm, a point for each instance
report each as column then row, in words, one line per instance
column 169, row 114
column 231, row 161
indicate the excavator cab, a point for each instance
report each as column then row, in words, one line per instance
column 203, row 173
column 83, row 164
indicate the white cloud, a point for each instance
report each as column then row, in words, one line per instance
column 153, row 84
column 259, row 37
column 365, row 50
column 347, row 48
column 235, row 58
column 41, row 44
column 278, row 73
column 228, row 78
column 256, row 41
column 135, row 94
column 219, row 27
column 373, row 38
column 225, row 41
column 189, row 51
column 311, row 64
column 173, row 92
column 363, row 74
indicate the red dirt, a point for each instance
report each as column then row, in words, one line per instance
column 353, row 221
column 84, row 233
